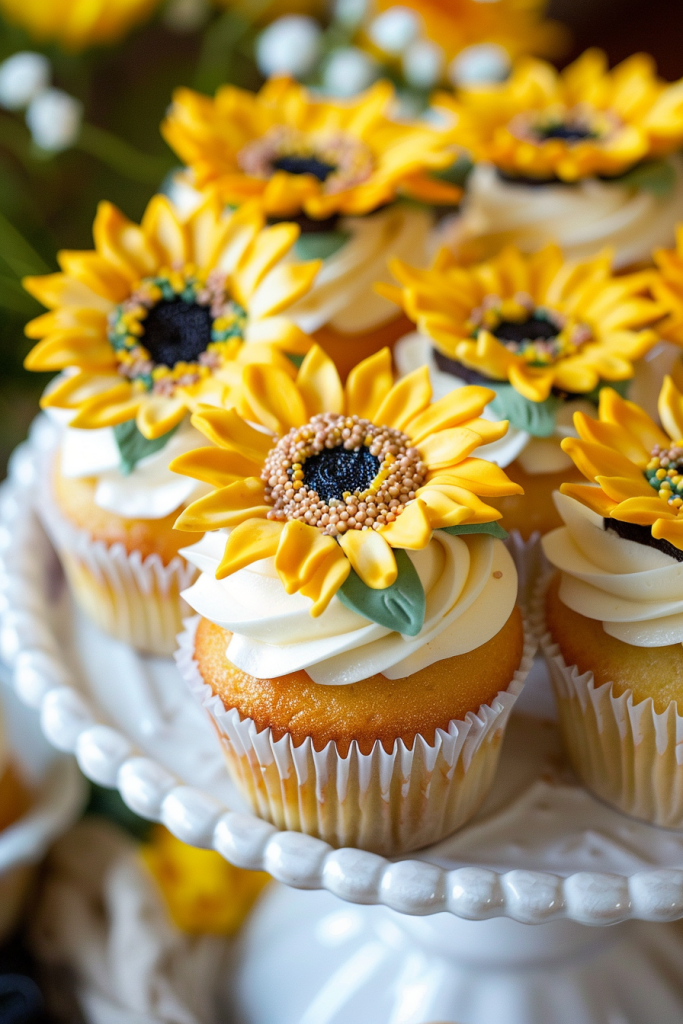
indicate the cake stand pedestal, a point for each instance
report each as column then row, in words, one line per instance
column 505, row 922
column 328, row 963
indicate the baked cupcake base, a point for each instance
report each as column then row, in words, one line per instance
column 387, row 797
column 124, row 574
column 620, row 718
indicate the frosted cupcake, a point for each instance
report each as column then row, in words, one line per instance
column 585, row 157
column 145, row 328
column 615, row 612
column 343, row 170
column 545, row 334
column 359, row 649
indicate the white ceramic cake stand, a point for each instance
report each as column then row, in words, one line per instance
column 443, row 935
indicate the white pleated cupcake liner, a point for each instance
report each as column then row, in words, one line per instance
column 388, row 803
column 134, row 599
column 628, row 754
column 530, row 563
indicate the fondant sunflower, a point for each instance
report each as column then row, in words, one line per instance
column 535, row 321
column 75, row 24
column 295, row 152
column 580, row 122
column 154, row 318
column 637, row 466
column 328, row 478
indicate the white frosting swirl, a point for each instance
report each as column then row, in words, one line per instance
column 582, row 217
column 150, row 491
column 636, row 591
column 470, row 584
column 343, row 294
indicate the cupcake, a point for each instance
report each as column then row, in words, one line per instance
column 145, row 328
column 545, row 335
column 358, row 647
column 614, row 613
column 343, row 170
column 585, row 157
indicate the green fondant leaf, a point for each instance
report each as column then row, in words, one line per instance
column 134, row 446
column 620, row 386
column 537, row 418
column 457, row 173
column 655, row 176
column 493, row 528
column 319, row 245
column 400, row 607
column 293, row 358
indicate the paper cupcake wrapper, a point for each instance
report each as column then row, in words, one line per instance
column 134, row 599
column 389, row 803
column 530, row 563
column 628, row 754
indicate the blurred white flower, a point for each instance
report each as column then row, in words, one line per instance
column 394, row 30
column 423, row 64
column 289, row 46
column 475, row 65
column 23, row 76
column 186, row 15
column 54, row 119
column 350, row 12
column 348, row 71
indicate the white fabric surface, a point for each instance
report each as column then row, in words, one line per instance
column 101, row 916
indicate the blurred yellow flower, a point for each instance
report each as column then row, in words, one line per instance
column 294, row 152
column 581, row 122
column 516, row 25
column 204, row 893
column 77, row 24
column 536, row 321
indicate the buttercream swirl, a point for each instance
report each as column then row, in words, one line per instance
column 149, row 491
column 470, row 584
column 343, row 293
column 582, row 218
column 636, row 591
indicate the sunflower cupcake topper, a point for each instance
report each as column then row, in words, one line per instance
column 582, row 122
column 637, row 466
column 337, row 483
column 154, row 319
column 535, row 328
column 297, row 154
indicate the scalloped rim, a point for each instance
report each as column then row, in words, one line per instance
column 106, row 756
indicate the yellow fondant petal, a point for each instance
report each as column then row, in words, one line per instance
column 371, row 557
column 670, row 530
column 459, row 406
column 670, row 408
column 479, row 476
column 228, row 506
column 73, row 391
column 228, row 430
column 273, row 397
column 368, row 384
column 326, row 580
column 301, row 552
column 592, row 497
column 249, row 542
column 214, row 466
column 158, row 414
column 319, row 383
column 412, row 529
column 407, row 399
